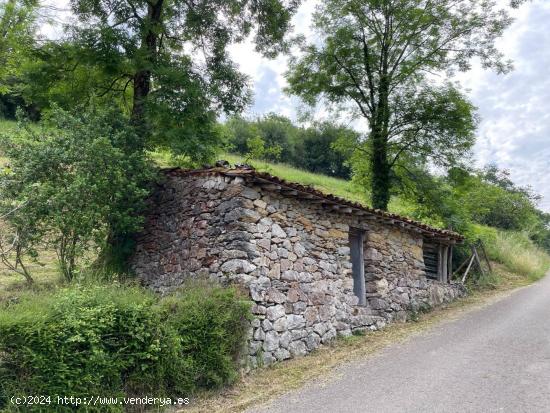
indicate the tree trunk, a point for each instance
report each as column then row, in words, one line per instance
column 380, row 167
column 380, row 171
column 142, row 78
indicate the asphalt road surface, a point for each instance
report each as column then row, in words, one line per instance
column 494, row 359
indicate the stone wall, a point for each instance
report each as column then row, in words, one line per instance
column 291, row 255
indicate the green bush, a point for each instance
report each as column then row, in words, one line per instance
column 119, row 340
column 212, row 325
column 74, row 182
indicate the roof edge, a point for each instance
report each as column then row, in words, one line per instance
column 308, row 193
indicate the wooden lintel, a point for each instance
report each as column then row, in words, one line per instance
column 272, row 187
column 306, row 196
column 290, row 192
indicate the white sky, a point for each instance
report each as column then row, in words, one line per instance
column 515, row 108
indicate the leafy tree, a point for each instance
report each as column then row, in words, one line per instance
column 257, row 149
column 320, row 153
column 490, row 198
column 240, row 131
column 376, row 59
column 72, row 182
column 278, row 131
column 17, row 35
column 314, row 149
column 18, row 25
column 164, row 61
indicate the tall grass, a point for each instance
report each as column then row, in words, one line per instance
column 514, row 250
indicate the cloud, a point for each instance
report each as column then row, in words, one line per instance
column 515, row 108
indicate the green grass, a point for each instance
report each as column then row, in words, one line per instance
column 327, row 184
column 519, row 254
column 7, row 125
column 514, row 250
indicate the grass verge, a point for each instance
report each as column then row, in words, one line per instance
column 262, row 385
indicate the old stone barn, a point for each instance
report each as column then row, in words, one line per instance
column 315, row 265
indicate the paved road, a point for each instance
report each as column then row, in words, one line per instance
column 495, row 359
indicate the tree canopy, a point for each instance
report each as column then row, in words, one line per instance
column 165, row 62
column 389, row 62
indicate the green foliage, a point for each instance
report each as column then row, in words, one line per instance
column 165, row 63
column 514, row 249
column 212, row 323
column 312, row 148
column 324, row 183
column 115, row 340
column 17, row 32
column 74, row 181
column 258, row 150
column 372, row 60
column 489, row 197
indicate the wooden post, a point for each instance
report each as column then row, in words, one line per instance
column 468, row 269
column 444, row 263
column 450, row 264
column 485, row 255
column 474, row 251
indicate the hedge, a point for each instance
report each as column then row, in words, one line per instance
column 121, row 341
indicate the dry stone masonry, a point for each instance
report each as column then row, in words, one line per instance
column 292, row 254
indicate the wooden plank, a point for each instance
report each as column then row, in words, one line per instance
column 462, row 265
column 478, row 261
column 271, row 187
column 468, row 269
column 444, row 263
column 485, row 255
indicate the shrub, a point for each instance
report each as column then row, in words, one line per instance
column 212, row 324
column 74, row 181
column 119, row 340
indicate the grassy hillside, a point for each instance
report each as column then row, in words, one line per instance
column 327, row 184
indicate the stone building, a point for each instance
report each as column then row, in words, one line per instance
column 315, row 265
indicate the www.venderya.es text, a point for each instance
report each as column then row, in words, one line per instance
column 97, row 401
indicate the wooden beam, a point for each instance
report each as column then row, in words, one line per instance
column 474, row 250
column 485, row 255
column 444, row 263
column 468, row 269
column 271, row 187
column 450, row 263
